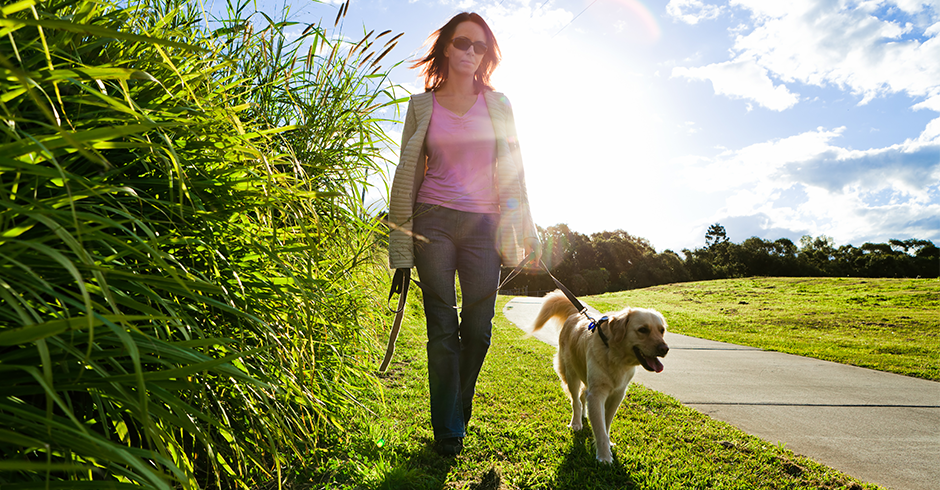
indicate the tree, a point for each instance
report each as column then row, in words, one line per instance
column 716, row 234
column 597, row 280
column 818, row 254
column 619, row 253
column 784, row 247
column 556, row 245
column 927, row 261
column 653, row 269
column 611, row 261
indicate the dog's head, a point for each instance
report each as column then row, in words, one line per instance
column 639, row 332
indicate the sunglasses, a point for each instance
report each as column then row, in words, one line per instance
column 464, row 44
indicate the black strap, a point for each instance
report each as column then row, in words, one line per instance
column 571, row 297
column 399, row 285
column 399, row 281
column 594, row 325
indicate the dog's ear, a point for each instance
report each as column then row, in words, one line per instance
column 618, row 326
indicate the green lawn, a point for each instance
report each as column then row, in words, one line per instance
column 886, row 324
column 518, row 438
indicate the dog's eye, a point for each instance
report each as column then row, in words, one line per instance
column 644, row 330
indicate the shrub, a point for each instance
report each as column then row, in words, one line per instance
column 185, row 267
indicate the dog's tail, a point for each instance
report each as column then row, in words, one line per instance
column 556, row 305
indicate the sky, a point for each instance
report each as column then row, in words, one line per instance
column 773, row 118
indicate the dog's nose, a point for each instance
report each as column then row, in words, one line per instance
column 662, row 350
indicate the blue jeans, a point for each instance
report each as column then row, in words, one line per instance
column 463, row 243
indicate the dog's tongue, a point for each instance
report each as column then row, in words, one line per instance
column 649, row 363
column 655, row 364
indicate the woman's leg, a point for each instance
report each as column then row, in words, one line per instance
column 436, row 262
column 478, row 265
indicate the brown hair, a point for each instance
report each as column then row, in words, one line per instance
column 434, row 65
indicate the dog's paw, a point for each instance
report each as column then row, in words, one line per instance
column 606, row 458
column 575, row 425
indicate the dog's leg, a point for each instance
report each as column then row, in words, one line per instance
column 576, row 393
column 571, row 384
column 610, row 409
column 596, row 405
column 583, row 401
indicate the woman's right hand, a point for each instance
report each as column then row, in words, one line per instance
column 533, row 246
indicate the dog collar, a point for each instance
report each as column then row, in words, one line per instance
column 597, row 325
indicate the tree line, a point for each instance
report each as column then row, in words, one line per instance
column 616, row 261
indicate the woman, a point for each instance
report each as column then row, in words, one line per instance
column 458, row 204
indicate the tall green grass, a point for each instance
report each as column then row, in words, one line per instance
column 183, row 251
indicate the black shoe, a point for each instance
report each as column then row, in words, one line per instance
column 451, row 446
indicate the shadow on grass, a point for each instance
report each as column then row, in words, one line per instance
column 419, row 469
column 580, row 470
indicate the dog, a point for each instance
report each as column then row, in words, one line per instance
column 634, row 338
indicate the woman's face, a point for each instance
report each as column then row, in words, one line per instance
column 465, row 63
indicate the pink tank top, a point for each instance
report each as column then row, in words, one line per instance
column 461, row 156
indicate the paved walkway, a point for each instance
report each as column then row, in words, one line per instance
column 878, row 427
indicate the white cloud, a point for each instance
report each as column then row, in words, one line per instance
column 830, row 190
column 845, row 44
column 844, row 47
column 756, row 166
column 848, row 216
column 510, row 22
column 932, row 131
column 910, row 171
column 854, row 219
column 915, row 6
column 742, row 79
column 870, row 49
column 692, row 11
column 932, row 30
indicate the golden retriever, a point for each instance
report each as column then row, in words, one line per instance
column 634, row 338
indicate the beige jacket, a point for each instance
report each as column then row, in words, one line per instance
column 515, row 224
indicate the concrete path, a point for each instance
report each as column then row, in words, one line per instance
column 878, row 427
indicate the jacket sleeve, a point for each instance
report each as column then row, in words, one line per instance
column 529, row 232
column 400, row 203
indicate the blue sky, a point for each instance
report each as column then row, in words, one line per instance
column 660, row 117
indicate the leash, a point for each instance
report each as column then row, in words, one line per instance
column 594, row 325
column 400, row 284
